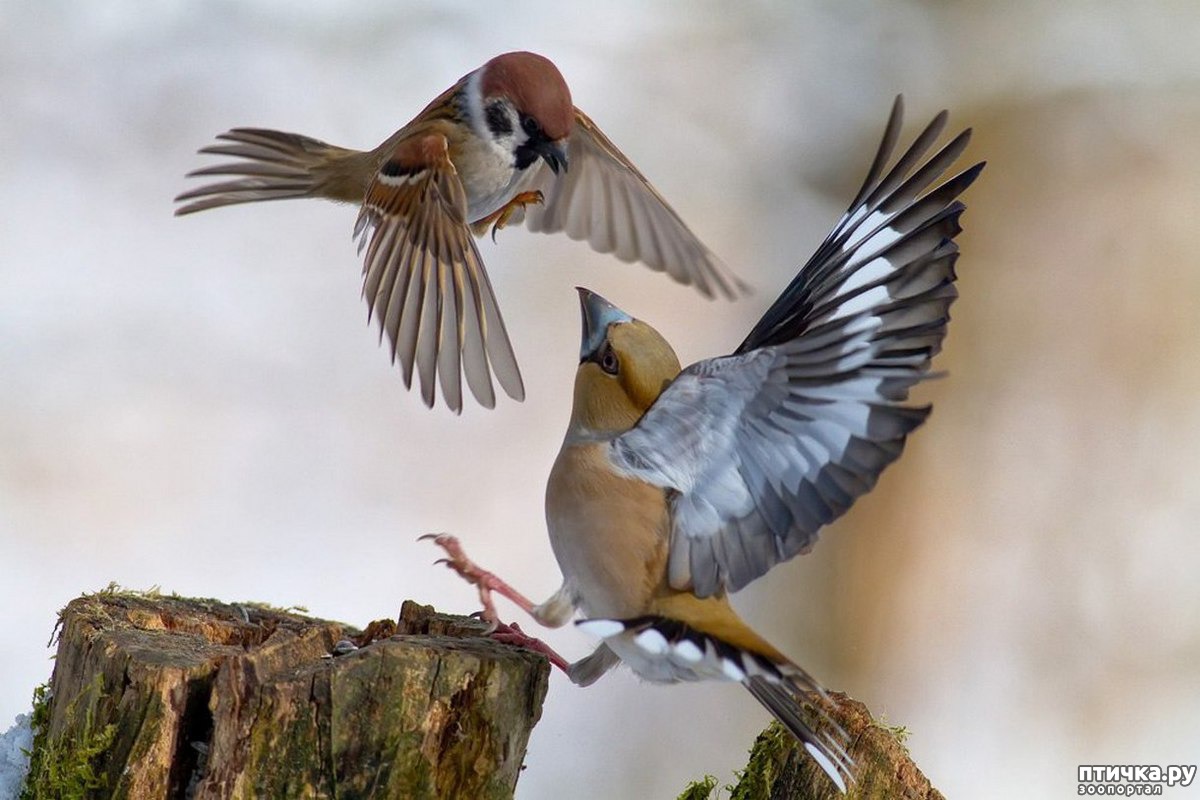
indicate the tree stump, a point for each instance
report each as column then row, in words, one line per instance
column 165, row 697
column 780, row 769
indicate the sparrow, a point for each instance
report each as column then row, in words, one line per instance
column 675, row 487
column 502, row 145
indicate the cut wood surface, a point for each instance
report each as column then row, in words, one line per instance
column 167, row 697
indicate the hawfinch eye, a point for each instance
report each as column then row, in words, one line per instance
column 608, row 361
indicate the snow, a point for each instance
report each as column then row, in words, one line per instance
column 14, row 756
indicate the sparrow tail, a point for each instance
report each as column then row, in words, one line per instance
column 275, row 166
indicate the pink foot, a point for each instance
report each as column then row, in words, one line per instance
column 487, row 583
column 512, row 634
column 472, row 573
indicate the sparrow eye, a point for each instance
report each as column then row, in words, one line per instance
column 530, row 126
column 608, row 361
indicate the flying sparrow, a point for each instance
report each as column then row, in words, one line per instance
column 503, row 144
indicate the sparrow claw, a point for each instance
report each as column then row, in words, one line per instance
column 501, row 217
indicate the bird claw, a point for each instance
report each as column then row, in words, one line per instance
column 500, row 217
column 456, row 560
column 511, row 634
column 492, row 624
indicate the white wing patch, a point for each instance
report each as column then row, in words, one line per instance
column 866, row 235
column 877, row 269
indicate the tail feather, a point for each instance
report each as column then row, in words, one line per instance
column 826, row 744
column 274, row 166
column 663, row 649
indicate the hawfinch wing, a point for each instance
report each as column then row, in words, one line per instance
column 604, row 200
column 424, row 280
column 762, row 448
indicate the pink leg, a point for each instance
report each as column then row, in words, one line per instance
column 472, row 573
column 512, row 634
column 486, row 582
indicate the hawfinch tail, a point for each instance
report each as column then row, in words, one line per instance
column 674, row 487
column 503, row 144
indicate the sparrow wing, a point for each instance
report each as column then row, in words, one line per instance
column 762, row 448
column 604, row 200
column 424, row 280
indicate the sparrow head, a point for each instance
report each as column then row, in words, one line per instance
column 624, row 365
column 523, row 104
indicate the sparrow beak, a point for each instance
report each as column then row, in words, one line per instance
column 598, row 314
column 554, row 154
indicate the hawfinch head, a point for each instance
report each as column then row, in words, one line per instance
column 624, row 365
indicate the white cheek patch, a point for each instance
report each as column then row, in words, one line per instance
column 474, row 95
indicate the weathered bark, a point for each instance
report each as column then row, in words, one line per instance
column 780, row 769
column 165, row 697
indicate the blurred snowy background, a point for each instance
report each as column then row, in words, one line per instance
column 199, row 404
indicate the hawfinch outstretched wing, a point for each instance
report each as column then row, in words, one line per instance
column 762, row 448
column 424, row 280
column 604, row 200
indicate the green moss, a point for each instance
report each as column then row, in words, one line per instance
column 67, row 769
column 276, row 609
column 40, row 718
column 699, row 790
column 115, row 589
column 899, row 732
column 767, row 757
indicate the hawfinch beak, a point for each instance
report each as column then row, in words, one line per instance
column 598, row 314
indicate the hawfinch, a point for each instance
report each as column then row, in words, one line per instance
column 673, row 488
